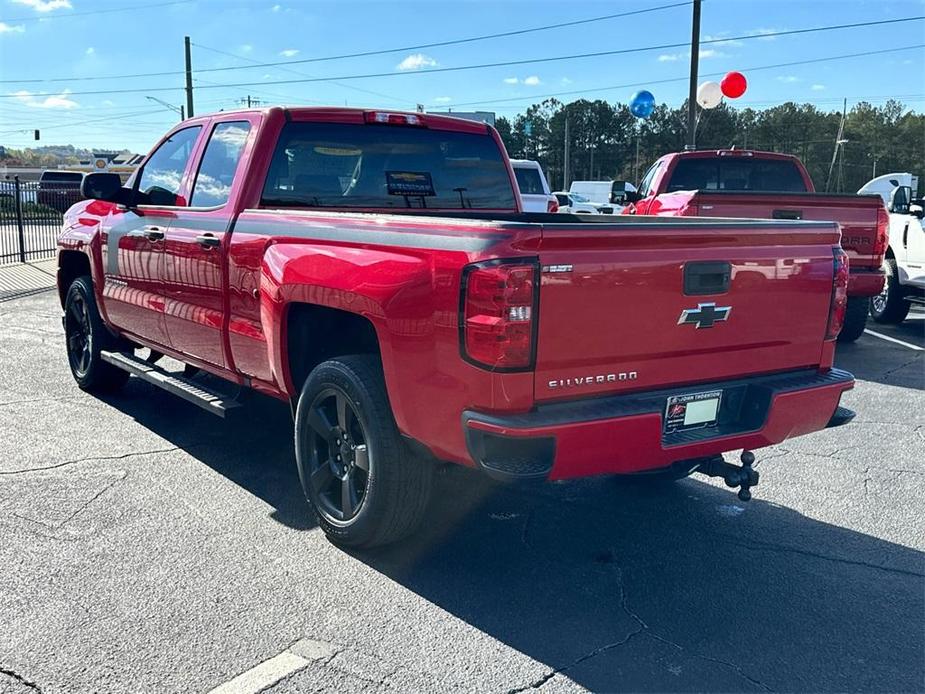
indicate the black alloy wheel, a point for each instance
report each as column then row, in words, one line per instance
column 340, row 461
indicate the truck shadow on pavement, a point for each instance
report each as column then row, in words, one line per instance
column 683, row 588
column 616, row 586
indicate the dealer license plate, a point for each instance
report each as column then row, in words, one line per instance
column 692, row 411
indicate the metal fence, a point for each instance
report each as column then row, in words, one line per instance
column 31, row 215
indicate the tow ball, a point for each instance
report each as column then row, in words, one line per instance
column 744, row 477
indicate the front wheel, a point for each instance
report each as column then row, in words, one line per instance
column 889, row 306
column 855, row 319
column 86, row 336
column 363, row 484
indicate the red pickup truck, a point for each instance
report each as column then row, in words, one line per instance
column 767, row 185
column 375, row 270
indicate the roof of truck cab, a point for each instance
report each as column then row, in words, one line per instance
column 710, row 153
column 341, row 114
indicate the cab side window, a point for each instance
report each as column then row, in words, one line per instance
column 163, row 172
column 219, row 163
column 647, row 179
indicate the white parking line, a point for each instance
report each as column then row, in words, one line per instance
column 297, row 657
column 893, row 339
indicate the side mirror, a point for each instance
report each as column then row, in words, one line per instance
column 631, row 196
column 105, row 186
column 900, row 199
column 917, row 211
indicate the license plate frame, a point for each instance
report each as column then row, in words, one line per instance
column 692, row 411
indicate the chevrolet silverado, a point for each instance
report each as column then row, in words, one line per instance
column 375, row 270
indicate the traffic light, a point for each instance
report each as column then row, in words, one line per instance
column 37, row 135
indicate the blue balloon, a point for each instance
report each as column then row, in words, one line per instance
column 642, row 104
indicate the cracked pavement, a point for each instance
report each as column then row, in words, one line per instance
column 149, row 547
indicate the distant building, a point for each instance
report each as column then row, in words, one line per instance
column 115, row 162
column 487, row 117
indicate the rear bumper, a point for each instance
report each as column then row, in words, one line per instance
column 623, row 434
column 864, row 282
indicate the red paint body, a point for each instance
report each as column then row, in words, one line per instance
column 616, row 309
column 861, row 217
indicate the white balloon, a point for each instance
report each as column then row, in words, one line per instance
column 709, row 94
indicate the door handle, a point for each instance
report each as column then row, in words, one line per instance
column 208, row 241
column 153, row 233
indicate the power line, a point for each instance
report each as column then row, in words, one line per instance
column 130, row 8
column 303, row 74
column 685, row 78
column 597, row 54
column 86, row 122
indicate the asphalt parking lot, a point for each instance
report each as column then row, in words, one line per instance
column 149, row 547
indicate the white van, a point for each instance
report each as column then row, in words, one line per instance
column 607, row 195
column 534, row 190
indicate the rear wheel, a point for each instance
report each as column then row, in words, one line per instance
column 855, row 319
column 889, row 306
column 86, row 336
column 363, row 484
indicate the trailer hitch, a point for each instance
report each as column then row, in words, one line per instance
column 744, row 477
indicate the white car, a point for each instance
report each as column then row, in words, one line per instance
column 533, row 188
column 607, row 196
column 573, row 203
column 905, row 260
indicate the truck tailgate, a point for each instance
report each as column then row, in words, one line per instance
column 613, row 299
column 857, row 214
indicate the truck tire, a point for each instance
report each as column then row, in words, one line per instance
column 362, row 482
column 889, row 306
column 85, row 337
column 855, row 319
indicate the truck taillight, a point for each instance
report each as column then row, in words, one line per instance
column 552, row 205
column 882, row 238
column 839, row 295
column 498, row 315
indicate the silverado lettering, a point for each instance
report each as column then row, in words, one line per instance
column 375, row 271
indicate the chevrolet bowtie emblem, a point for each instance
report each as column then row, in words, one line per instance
column 705, row 315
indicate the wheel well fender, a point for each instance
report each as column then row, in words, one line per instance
column 71, row 265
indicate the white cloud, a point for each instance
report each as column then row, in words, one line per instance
column 416, row 61
column 61, row 100
column 289, row 52
column 565, row 80
column 721, row 41
column 247, row 48
column 276, row 8
column 788, row 79
column 511, row 80
column 108, row 102
column 668, row 57
column 45, row 5
column 90, row 51
column 443, row 99
column 11, row 28
column 818, row 87
column 711, row 53
column 761, row 32
column 704, row 54
column 532, row 81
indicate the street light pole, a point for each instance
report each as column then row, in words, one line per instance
column 692, row 91
column 176, row 109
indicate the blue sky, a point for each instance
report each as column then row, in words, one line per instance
column 76, row 39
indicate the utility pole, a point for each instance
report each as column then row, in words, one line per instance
column 189, row 78
column 565, row 158
column 249, row 101
column 692, row 91
column 839, row 142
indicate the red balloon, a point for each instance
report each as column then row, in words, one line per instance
column 733, row 85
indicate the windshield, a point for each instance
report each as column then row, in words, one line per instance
column 777, row 175
column 529, row 181
column 577, row 197
column 383, row 166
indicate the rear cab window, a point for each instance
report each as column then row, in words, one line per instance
column 736, row 173
column 346, row 165
column 528, row 180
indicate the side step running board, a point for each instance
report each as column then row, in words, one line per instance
column 196, row 393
